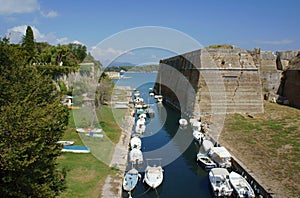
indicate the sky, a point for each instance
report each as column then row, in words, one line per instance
column 271, row 25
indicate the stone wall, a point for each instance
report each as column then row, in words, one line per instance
column 212, row 81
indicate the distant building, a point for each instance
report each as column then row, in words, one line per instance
column 113, row 75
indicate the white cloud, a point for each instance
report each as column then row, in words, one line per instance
column 16, row 33
column 50, row 14
column 18, row 6
column 275, row 42
column 107, row 55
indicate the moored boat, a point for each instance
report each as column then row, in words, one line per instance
column 240, row 185
column 65, row 142
column 205, row 161
column 153, row 176
column 136, row 156
column 183, row 122
column 219, row 180
column 131, row 179
column 135, row 142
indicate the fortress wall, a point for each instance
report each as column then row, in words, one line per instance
column 223, row 81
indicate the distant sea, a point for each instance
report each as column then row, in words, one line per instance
column 137, row 79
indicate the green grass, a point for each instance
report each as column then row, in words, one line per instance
column 86, row 173
column 268, row 142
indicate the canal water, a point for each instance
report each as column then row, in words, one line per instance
column 165, row 143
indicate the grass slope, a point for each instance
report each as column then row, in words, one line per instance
column 86, row 173
column 269, row 144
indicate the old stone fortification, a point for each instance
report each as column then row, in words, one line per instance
column 218, row 81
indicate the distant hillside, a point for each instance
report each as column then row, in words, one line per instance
column 118, row 64
column 145, row 68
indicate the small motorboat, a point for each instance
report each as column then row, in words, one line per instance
column 219, row 180
column 136, row 156
column 83, row 130
column 65, row 143
column 159, row 98
column 92, row 134
column 140, row 126
column 76, row 149
column 198, row 136
column 206, row 146
column 240, row 185
column 135, row 142
column 183, row 122
column 150, row 112
column 221, row 156
column 153, row 176
column 205, row 161
column 131, row 179
column 151, row 94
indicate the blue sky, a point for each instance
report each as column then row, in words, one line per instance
column 270, row 25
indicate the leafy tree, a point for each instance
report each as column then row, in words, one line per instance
column 32, row 120
column 28, row 43
column 104, row 90
column 78, row 50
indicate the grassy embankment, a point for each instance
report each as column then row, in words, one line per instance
column 86, row 173
column 269, row 144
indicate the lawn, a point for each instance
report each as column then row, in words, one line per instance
column 86, row 173
column 269, row 144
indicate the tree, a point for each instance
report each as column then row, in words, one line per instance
column 28, row 43
column 32, row 120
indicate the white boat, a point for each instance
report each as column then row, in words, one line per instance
column 183, row 122
column 92, row 134
column 151, row 94
column 140, row 126
column 150, row 112
column 159, row 99
column 65, row 143
column 196, row 125
column 136, row 156
column 240, row 185
column 131, row 179
column 136, row 94
column 206, row 146
column 219, row 180
column 220, row 156
column 88, row 130
column 198, row 136
column 135, row 142
column 154, row 176
column 142, row 116
column 205, row 161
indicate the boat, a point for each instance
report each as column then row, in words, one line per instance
column 76, row 149
column 83, row 130
column 135, row 142
column 205, row 161
column 65, row 143
column 142, row 116
column 198, row 136
column 219, row 180
column 136, row 156
column 159, row 98
column 140, row 126
column 149, row 112
column 151, row 94
column 92, row 134
column 220, row 156
column 136, row 94
column 183, row 122
column 206, row 146
column 196, row 125
column 240, row 185
column 131, row 179
column 153, row 176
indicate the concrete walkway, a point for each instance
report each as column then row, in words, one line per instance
column 113, row 186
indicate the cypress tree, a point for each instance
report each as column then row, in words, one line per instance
column 28, row 43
